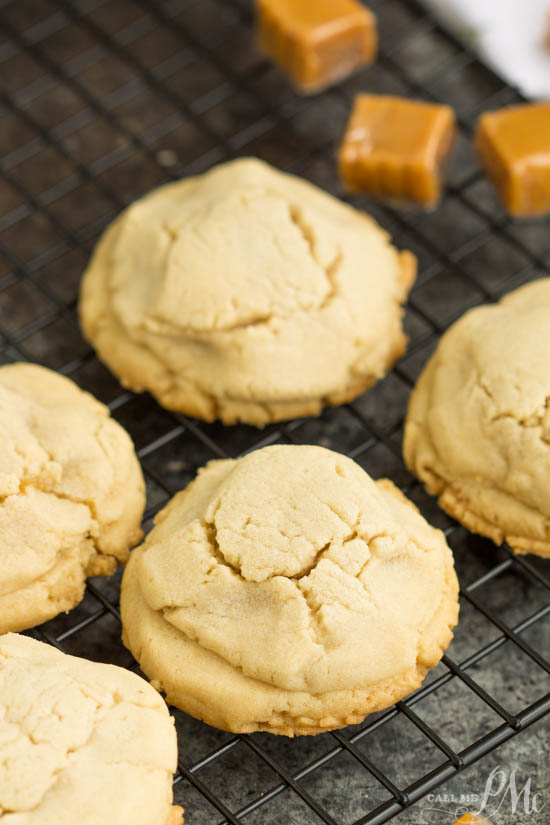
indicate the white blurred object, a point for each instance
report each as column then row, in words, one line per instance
column 511, row 36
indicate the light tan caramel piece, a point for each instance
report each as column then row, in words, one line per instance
column 317, row 42
column 513, row 146
column 397, row 148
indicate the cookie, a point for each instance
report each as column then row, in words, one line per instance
column 246, row 294
column 288, row 592
column 71, row 494
column 81, row 742
column 478, row 427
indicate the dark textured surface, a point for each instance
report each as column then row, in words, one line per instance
column 99, row 102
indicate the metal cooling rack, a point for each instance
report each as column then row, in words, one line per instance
column 99, row 102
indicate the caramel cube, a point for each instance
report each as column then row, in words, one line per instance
column 513, row 146
column 396, row 148
column 317, row 42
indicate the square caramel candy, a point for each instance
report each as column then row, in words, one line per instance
column 396, row 148
column 317, row 42
column 513, row 146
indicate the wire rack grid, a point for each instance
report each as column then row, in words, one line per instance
column 99, row 102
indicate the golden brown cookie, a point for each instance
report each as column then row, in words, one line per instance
column 246, row 294
column 71, row 494
column 81, row 742
column 286, row 591
column 478, row 428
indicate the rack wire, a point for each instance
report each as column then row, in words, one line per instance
column 99, row 102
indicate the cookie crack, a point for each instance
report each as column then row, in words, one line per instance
column 65, row 496
column 330, row 270
column 36, row 479
column 264, row 319
column 310, row 567
column 212, row 538
column 70, row 753
column 352, row 531
column 170, row 232
column 211, row 531
column 87, row 545
column 533, row 420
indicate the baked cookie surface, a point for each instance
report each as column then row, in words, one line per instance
column 71, row 494
column 286, row 591
column 81, row 742
column 478, row 427
column 246, row 294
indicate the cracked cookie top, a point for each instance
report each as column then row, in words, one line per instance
column 245, row 293
column 80, row 741
column 71, row 494
column 478, row 427
column 298, row 570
